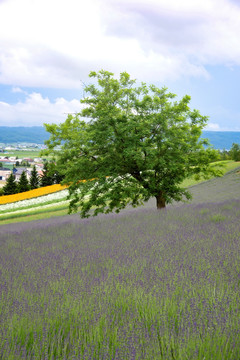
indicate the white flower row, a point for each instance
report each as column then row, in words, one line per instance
column 35, row 201
column 18, row 211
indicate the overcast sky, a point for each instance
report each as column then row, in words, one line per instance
column 48, row 48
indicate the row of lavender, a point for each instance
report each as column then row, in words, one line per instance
column 139, row 285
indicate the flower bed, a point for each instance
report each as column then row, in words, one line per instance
column 31, row 194
column 57, row 197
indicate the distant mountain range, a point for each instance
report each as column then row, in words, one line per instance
column 37, row 134
column 20, row 134
column 222, row 139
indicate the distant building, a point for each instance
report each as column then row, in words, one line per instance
column 39, row 166
column 6, row 162
column 4, row 173
column 17, row 172
column 40, row 173
column 28, row 160
column 10, row 148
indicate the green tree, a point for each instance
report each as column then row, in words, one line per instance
column 11, row 186
column 136, row 143
column 53, row 172
column 58, row 178
column 23, row 184
column 224, row 154
column 34, row 179
column 47, row 178
column 25, row 163
column 235, row 152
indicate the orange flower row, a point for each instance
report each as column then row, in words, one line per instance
column 31, row 194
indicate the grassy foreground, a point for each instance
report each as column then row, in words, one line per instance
column 139, row 285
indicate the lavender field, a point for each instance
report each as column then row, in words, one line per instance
column 143, row 284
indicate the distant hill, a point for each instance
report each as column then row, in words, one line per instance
column 37, row 134
column 34, row 134
column 222, row 139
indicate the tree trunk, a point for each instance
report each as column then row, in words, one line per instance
column 161, row 203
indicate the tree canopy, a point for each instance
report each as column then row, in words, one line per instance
column 11, row 186
column 129, row 143
column 23, row 184
column 47, row 177
column 34, row 179
column 235, row 152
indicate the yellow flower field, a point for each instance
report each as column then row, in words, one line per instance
column 31, row 194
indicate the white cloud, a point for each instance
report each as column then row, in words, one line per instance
column 56, row 43
column 205, row 31
column 36, row 110
column 223, row 118
column 213, row 127
column 18, row 90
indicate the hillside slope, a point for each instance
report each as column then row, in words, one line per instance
column 34, row 134
column 211, row 192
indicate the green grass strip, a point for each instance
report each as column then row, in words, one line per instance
column 34, row 214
